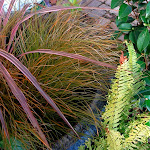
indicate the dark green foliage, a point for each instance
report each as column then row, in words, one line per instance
column 143, row 40
column 134, row 21
column 124, row 11
column 116, row 3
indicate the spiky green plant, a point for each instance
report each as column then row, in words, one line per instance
column 119, row 134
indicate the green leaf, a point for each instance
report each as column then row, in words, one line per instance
column 147, row 97
column 148, row 20
column 130, row 19
column 133, row 36
column 148, row 49
column 124, row 19
column 142, row 103
column 126, row 36
column 142, row 16
column 148, row 10
column 115, row 3
column 121, row 20
column 142, row 12
column 147, row 80
column 148, row 123
column 147, row 102
column 142, row 64
column 73, row 1
column 124, row 10
column 135, row 1
column 144, row 19
column 146, row 91
column 143, row 40
column 142, row 5
column 140, row 1
column 125, row 27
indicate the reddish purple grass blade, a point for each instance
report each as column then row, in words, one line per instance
column 14, row 30
column 1, row 5
column 44, row 11
column 27, row 73
column 58, row 8
column 9, row 11
column 3, row 123
column 13, row 33
column 74, row 56
column 1, row 11
column 22, row 100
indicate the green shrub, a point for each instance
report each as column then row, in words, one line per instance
column 134, row 21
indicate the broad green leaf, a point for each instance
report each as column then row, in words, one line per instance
column 133, row 36
column 126, row 19
column 148, row 10
column 142, row 16
column 147, row 97
column 125, row 27
column 121, row 20
column 147, row 52
column 142, row 12
column 148, row 123
column 148, row 21
column 115, row 3
column 126, row 36
column 130, row 19
column 124, row 10
column 147, row 103
column 143, row 40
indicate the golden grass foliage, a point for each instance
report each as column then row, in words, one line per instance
column 69, row 82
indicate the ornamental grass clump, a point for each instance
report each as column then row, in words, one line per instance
column 38, row 76
column 67, row 80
